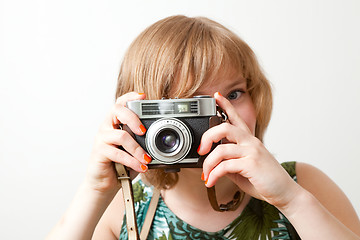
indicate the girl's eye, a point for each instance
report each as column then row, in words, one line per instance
column 235, row 95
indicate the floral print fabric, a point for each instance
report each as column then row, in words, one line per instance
column 259, row 220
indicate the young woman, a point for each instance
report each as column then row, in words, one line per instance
column 184, row 57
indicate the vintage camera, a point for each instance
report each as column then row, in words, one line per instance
column 174, row 129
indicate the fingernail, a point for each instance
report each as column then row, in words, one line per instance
column 142, row 129
column 141, row 93
column 198, row 148
column 144, row 167
column 147, row 158
column 218, row 93
column 206, row 182
column 202, row 177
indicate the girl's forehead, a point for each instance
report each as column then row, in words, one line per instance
column 225, row 77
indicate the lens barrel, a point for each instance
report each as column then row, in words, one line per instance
column 168, row 140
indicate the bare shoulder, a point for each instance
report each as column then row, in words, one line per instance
column 328, row 193
column 109, row 226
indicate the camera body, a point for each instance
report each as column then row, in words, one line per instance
column 174, row 129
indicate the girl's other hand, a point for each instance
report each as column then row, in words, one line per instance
column 101, row 174
column 245, row 160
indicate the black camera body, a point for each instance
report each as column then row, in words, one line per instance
column 174, row 129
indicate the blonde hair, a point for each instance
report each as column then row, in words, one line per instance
column 176, row 55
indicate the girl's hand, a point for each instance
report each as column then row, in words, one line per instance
column 245, row 160
column 101, row 173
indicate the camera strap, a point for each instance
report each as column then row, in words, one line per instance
column 126, row 185
column 239, row 195
column 131, row 224
column 230, row 206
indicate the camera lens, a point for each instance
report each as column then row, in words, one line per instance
column 167, row 140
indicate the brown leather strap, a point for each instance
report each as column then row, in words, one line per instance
column 128, row 201
column 239, row 196
column 230, row 206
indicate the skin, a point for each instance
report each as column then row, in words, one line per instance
column 243, row 162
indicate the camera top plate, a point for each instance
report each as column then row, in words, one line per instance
column 199, row 106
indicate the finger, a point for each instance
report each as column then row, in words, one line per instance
column 219, row 132
column 231, row 112
column 119, row 114
column 130, row 96
column 117, row 155
column 233, row 169
column 222, row 169
column 127, row 117
column 221, row 153
column 123, row 138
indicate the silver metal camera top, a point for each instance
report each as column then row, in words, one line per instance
column 202, row 96
column 198, row 106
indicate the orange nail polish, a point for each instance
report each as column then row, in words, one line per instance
column 142, row 128
column 198, row 148
column 141, row 93
column 206, row 182
column 144, row 167
column 147, row 158
column 219, row 94
column 202, row 177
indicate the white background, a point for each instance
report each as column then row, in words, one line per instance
column 59, row 62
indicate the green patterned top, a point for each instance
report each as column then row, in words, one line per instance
column 259, row 220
